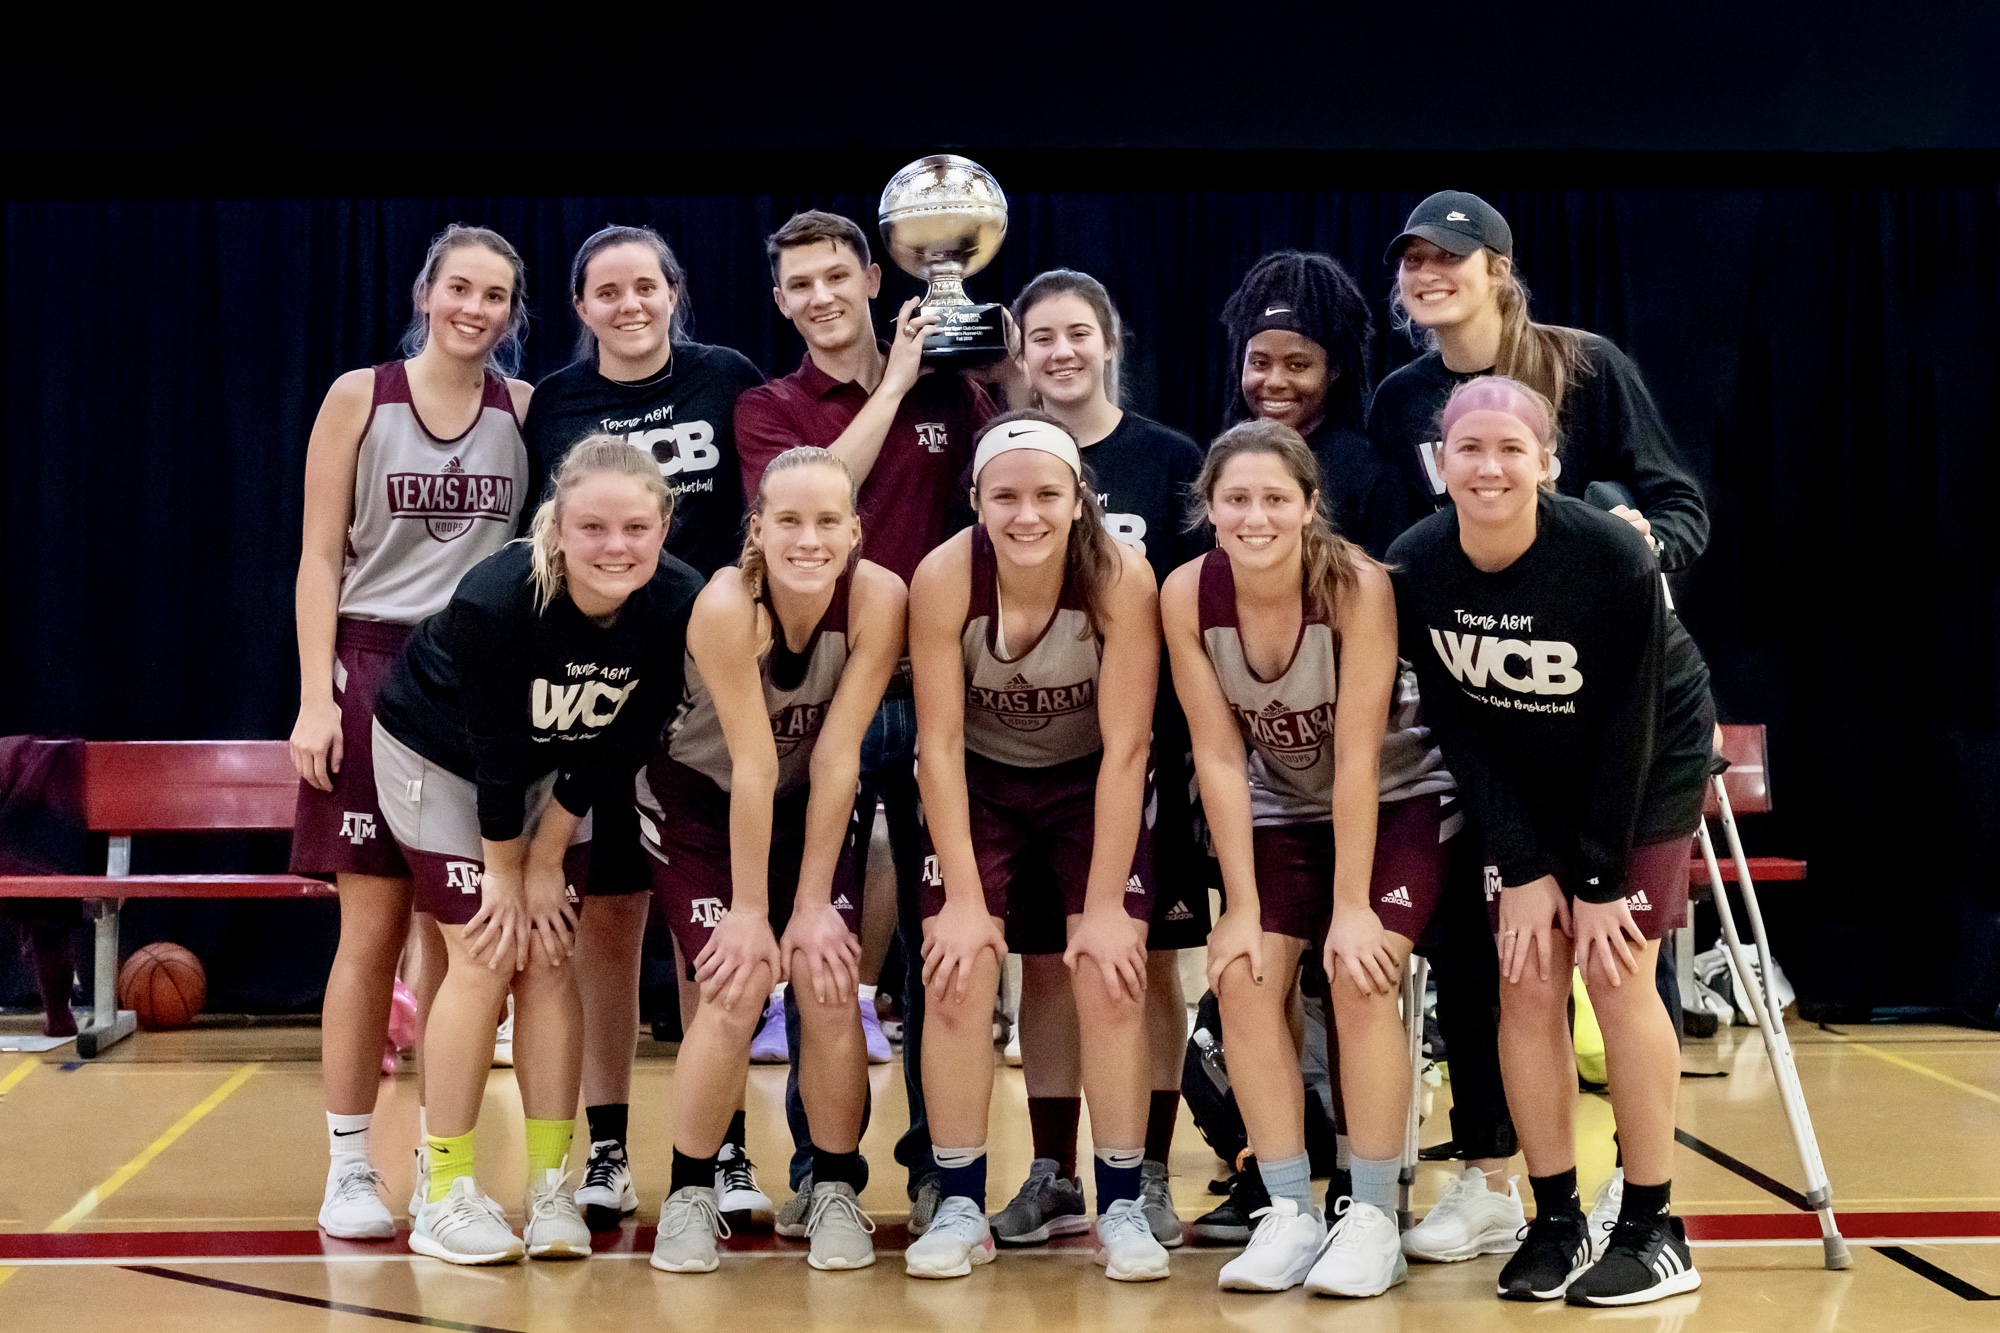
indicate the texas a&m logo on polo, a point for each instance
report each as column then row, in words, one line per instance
column 930, row 434
column 796, row 724
column 450, row 500
column 462, row 875
column 357, row 826
column 1293, row 739
column 1026, row 707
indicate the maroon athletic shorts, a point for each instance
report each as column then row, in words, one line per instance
column 1295, row 870
column 1033, row 831
column 342, row 831
column 687, row 833
column 1656, row 879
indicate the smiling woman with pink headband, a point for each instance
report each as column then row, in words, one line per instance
column 1574, row 712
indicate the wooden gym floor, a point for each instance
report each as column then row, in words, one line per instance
column 174, row 1182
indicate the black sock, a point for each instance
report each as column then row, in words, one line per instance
column 1643, row 1203
column 1555, row 1196
column 607, row 1122
column 692, row 1171
column 735, row 1135
column 844, row 1167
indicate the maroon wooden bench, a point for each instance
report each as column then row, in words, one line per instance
column 1749, row 785
column 168, row 787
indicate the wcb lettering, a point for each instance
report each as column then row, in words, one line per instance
column 595, row 704
column 1547, row 666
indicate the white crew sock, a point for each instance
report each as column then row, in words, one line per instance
column 866, row 993
column 347, row 1137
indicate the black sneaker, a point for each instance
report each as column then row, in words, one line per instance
column 1647, row 1260
column 1554, row 1252
column 1230, row 1222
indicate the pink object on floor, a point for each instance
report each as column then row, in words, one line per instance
column 402, row 1035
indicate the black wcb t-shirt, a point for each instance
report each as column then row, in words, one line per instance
column 1144, row 473
column 1610, row 430
column 1572, row 707
column 685, row 416
column 502, row 693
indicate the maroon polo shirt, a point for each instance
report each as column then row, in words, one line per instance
column 914, row 497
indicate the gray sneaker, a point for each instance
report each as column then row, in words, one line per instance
column 839, row 1229
column 791, row 1219
column 1157, row 1199
column 924, row 1205
column 1047, row 1206
column 689, row 1224
column 555, row 1228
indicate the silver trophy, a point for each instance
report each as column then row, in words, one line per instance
column 943, row 218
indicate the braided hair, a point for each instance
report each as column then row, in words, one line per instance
column 1326, row 307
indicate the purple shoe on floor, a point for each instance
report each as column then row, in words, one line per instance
column 871, row 1032
column 768, row 1046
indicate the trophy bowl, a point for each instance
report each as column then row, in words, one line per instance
column 943, row 219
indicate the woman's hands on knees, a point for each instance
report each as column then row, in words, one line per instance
column 1116, row 942
column 729, row 960
column 1607, row 935
column 830, row 950
column 550, row 917
column 498, row 931
column 1238, row 934
column 1530, row 914
column 1357, row 944
column 953, row 940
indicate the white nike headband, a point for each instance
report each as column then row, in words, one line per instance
column 1026, row 435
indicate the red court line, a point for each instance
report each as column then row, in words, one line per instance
column 195, row 1245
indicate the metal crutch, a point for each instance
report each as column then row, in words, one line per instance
column 1760, row 985
column 1415, row 977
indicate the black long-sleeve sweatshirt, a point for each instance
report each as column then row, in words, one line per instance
column 502, row 694
column 1610, row 431
column 1572, row 708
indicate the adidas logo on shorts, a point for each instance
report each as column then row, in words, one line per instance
column 842, row 904
column 1638, row 902
column 1133, row 885
column 1179, row 912
column 1398, row 896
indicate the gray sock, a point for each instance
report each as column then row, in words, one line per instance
column 1375, row 1181
column 1289, row 1179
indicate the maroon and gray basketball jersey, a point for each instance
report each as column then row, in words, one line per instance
column 798, row 688
column 1034, row 704
column 1287, row 723
column 427, row 510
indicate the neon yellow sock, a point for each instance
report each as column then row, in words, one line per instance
column 450, row 1159
column 548, row 1144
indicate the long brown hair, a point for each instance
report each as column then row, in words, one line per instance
column 1091, row 560
column 505, row 358
column 588, row 457
column 1332, row 563
column 750, row 565
column 1547, row 358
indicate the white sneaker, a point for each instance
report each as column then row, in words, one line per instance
column 1604, row 1213
column 465, row 1227
column 736, row 1191
column 1010, row 1054
column 420, row 1192
column 606, row 1194
column 1125, row 1244
column 353, row 1209
column 1281, row 1250
column 956, row 1240
column 1361, row 1257
column 689, row 1224
column 503, row 1039
column 1467, row 1221
column 555, row 1228
column 839, row 1230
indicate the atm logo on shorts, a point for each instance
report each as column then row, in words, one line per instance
column 795, row 725
column 1026, row 707
column 933, row 876
column 1549, row 664
column 1293, row 739
column 462, row 875
column 1492, row 883
column 357, row 826
column 707, row 913
column 451, row 500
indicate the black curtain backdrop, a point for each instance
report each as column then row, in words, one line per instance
column 1824, row 353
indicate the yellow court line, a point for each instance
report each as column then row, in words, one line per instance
column 20, row 1071
column 118, row 1179
column 1905, row 1062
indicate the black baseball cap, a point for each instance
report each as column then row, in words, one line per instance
column 1458, row 222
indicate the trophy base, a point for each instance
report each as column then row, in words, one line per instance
column 966, row 337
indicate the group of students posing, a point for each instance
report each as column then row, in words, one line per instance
column 1369, row 665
